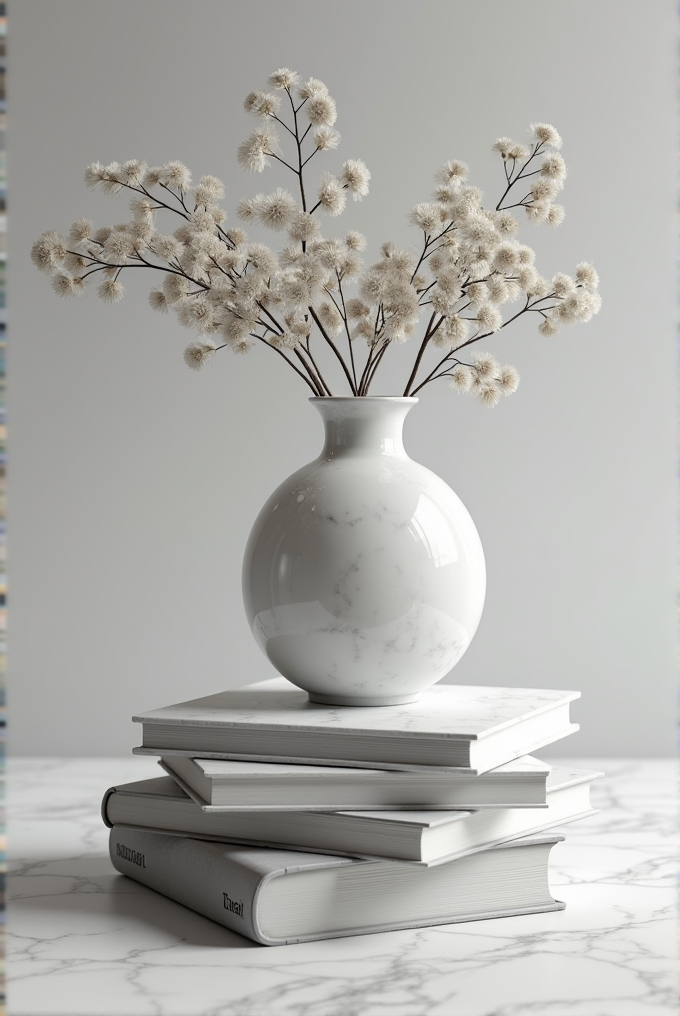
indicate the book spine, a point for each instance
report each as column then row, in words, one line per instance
column 195, row 873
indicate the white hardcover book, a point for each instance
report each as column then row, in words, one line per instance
column 453, row 727
column 277, row 897
column 421, row 837
column 219, row 784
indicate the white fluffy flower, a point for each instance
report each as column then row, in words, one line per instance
column 555, row 215
column 275, row 210
column 80, row 230
column 489, row 317
column 158, row 301
column 94, row 174
column 357, row 308
column 426, row 216
column 477, row 293
column 110, row 181
column 102, row 234
column 499, row 291
column 326, row 138
column 208, row 190
column 198, row 353
column 303, row 227
column 461, row 378
column 478, row 231
column 469, row 201
column 321, row 110
column 562, row 285
column 330, row 318
column 261, row 103
column 506, row 223
column 586, row 275
column 505, row 257
column 477, row 266
column 153, row 176
column 525, row 255
column 167, row 247
column 544, row 188
column 539, row 287
column 48, row 252
column 261, row 258
column 488, row 392
column 364, row 329
column 118, row 248
column 355, row 176
column 253, row 153
column 504, row 146
column 579, row 306
column 143, row 209
column 332, row 196
column 133, row 171
column 546, row 134
column 175, row 287
column 283, row 78
column 110, row 290
column 441, row 301
column 176, row 174
column 355, row 240
column 456, row 330
column 453, row 171
column 350, row 265
column 508, row 379
column 76, row 263
column 486, row 365
column 64, row 284
column 548, row 326
column 312, row 87
column 526, row 277
column 554, row 166
column 538, row 211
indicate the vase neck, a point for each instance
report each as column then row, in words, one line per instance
column 363, row 426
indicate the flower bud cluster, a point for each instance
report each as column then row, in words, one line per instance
column 471, row 275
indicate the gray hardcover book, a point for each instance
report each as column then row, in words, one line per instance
column 220, row 784
column 278, row 897
column 419, row 837
column 451, row 726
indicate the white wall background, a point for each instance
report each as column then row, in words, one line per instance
column 134, row 482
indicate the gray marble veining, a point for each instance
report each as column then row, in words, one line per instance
column 84, row 941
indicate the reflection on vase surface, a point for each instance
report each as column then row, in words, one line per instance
column 364, row 575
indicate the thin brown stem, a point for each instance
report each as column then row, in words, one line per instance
column 306, row 380
column 421, row 351
column 513, row 180
column 314, row 364
column 346, row 323
column 376, row 364
column 335, row 350
column 322, row 387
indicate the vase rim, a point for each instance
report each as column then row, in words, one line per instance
column 364, row 398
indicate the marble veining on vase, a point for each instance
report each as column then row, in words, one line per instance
column 364, row 576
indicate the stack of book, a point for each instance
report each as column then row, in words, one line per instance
column 288, row 821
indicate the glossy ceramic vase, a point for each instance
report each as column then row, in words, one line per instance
column 364, row 575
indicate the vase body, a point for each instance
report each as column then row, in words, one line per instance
column 364, row 576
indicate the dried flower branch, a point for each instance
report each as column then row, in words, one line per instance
column 297, row 302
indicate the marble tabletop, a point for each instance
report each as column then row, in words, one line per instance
column 85, row 941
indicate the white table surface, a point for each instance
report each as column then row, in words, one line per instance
column 84, row 940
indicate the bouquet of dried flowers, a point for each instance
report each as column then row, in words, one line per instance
column 316, row 294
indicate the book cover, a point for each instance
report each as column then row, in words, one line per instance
column 450, row 726
column 278, row 897
column 420, row 837
column 256, row 786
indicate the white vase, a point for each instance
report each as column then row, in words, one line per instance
column 364, row 575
